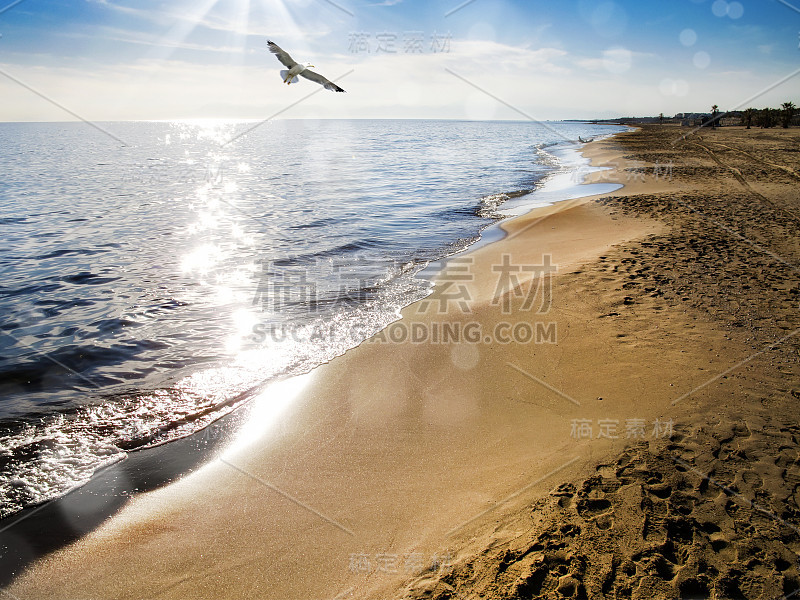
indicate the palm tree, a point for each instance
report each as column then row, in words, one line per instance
column 747, row 117
column 767, row 118
column 714, row 111
column 788, row 113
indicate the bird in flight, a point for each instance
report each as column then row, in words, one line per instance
column 290, row 76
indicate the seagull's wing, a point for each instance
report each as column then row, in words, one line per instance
column 328, row 85
column 282, row 55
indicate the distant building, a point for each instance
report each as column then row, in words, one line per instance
column 695, row 119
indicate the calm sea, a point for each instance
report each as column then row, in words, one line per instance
column 151, row 282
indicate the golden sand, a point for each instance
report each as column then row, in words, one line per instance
column 486, row 466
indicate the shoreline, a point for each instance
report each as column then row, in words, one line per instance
column 236, row 402
column 143, row 467
column 551, row 191
column 153, row 466
column 403, row 449
column 168, row 388
column 492, row 232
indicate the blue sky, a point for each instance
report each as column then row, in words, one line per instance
column 120, row 59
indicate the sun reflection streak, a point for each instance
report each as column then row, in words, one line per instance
column 202, row 259
column 266, row 410
column 243, row 321
column 221, row 256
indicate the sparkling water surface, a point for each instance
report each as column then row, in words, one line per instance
column 150, row 282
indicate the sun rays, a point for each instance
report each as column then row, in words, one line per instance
column 197, row 26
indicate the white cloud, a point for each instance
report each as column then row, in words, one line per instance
column 545, row 83
column 274, row 19
column 130, row 36
column 616, row 60
column 153, row 14
column 494, row 57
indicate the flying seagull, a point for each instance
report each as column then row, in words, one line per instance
column 296, row 69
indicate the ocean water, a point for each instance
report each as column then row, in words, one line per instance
column 154, row 278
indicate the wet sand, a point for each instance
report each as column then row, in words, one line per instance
column 642, row 443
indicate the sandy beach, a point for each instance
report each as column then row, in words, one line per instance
column 600, row 405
